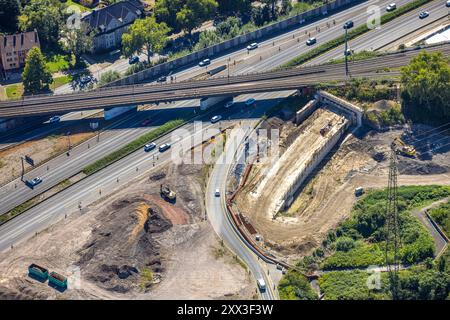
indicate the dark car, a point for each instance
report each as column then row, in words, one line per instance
column 424, row 14
column 161, row 79
column 133, row 60
column 164, row 147
column 149, row 147
column 85, row 79
column 34, row 182
column 348, row 24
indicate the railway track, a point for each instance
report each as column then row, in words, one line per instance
column 257, row 82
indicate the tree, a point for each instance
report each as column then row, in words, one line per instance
column 36, row 76
column 426, row 86
column 78, row 41
column 145, row 34
column 227, row 7
column 184, row 14
column 109, row 76
column 10, row 10
column 46, row 16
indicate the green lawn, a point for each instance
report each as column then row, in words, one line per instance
column 14, row 91
column 441, row 214
column 82, row 8
column 59, row 81
column 59, row 62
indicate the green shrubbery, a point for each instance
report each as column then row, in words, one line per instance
column 366, row 228
column 441, row 215
column 295, row 286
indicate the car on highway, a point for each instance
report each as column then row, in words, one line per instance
column 349, row 24
column 250, row 102
column 54, row 119
column 261, row 284
column 164, row 147
column 348, row 52
column 229, row 104
column 217, row 193
column 145, row 122
column 424, row 14
column 447, row 4
column 311, row 41
column 133, row 60
column 34, row 182
column 204, row 62
column 216, row 119
column 252, row 46
column 149, row 147
column 391, row 7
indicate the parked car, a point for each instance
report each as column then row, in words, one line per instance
column 216, row 119
column 359, row 191
column 217, row 193
column 447, row 4
column 349, row 24
column 391, row 7
column 149, row 147
column 252, row 46
column 229, row 104
column 133, row 60
column 311, row 41
column 145, row 122
column 250, row 102
column 424, row 14
column 54, row 119
column 164, row 147
column 204, row 62
column 34, row 182
column 86, row 79
column 348, row 52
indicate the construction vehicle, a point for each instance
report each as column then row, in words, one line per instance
column 167, row 194
column 404, row 148
column 326, row 129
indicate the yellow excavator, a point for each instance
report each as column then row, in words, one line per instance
column 405, row 148
column 167, row 194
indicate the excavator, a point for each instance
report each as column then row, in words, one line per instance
column 404, row 148
column 167, row 193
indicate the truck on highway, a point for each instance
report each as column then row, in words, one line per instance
column 206, row 103
column 37, row 271
column 261, row 284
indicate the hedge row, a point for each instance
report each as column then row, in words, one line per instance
column 132, row 146
column 351, row 34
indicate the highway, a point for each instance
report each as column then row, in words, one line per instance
column 63, row 167
column 105, row 181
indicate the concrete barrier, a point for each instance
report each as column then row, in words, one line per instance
column 353, row 112
column 220, row 48
column 305, row 112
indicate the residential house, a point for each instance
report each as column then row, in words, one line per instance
column 109, row 23
column 14, row 49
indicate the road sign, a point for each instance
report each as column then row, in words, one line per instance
column 29, row 160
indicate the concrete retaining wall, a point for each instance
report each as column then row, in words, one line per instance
column 220, row 48
column 316, row 158
column 306, row 111
column 354, row 112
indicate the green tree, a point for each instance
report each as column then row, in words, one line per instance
column 145, row 35
column 36, row 77
column 46, row 16
column 194, row 13
column 108, row 76
column 9, row 12
column 426, row 86
column 78, row 41
column 226, row 7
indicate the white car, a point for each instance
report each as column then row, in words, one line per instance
column 391, row 7
column 311, row 41
column 217, row 193
column 149, row 147
column 261, row 284
column 54, row 119
column 447, row 4
column 34, row 182
column 252, row 46
column 204, row 62
column 229, row 104
column 216, row 119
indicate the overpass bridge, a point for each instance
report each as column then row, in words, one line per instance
column 226, row 86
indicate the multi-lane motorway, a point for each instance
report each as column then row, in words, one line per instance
column 138, row 163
